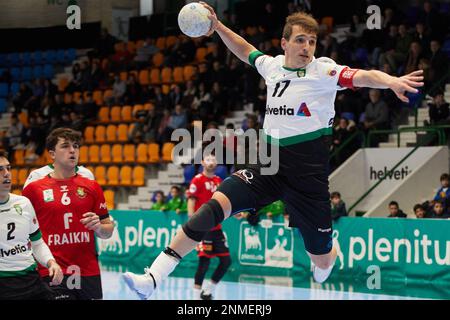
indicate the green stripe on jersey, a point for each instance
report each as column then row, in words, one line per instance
column 283, row 142
column 36, row 235
column 253, row 56
column 4, row 274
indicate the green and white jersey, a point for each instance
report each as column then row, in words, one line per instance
column 45, row 170
column 300, row 109
column 18, row 227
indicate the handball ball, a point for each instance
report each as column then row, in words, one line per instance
column 193, row 20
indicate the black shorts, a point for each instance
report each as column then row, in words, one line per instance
column 26, row 287
column 90, row 288
column 306, row 197
column 213, row 245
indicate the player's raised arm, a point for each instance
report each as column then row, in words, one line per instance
column 234, row 42
column 381, row 80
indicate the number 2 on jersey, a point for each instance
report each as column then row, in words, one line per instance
column 11, row 228
column 277, row 86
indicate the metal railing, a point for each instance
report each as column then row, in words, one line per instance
column 439, row 130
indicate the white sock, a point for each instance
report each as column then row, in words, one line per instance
column 162, row 267
column 197, row 292
column 211, row 288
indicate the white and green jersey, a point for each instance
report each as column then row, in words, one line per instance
column 45, row 170
column 300, row 107
column 18, row 227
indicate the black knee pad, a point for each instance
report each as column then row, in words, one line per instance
column 207, row 217
column 240, row 195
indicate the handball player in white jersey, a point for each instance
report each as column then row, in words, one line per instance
column 299, row 116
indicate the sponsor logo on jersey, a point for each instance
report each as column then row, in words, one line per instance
column 103, row 205
column 18, row 208
column 303, row 111
column 301, row 73
column 192, row 188
column 81, row 193
column 48, row 195
column 331, row 72
column 68, row 238
column 13, row 251
column 244, row 175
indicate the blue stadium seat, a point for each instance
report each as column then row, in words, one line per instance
column 71, row 54
column 3, row 89
column 27, row 73
column 2, row 105
column 446, row 47
column 37, row 71
column 50, row 56
column 222, row 172
column 26, row 58
column 13, row 59
column 189, row 173
column 48, row 71
column 37, row 57
column 361, row 55
column 60, row 56
column 3, row 60
column 15, row 87
column 16, row 74
column 348, row 115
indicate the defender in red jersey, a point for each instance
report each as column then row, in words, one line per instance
column 71, row 210
column 214, row 243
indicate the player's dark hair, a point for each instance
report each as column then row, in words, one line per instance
column 302, row 19
column 335, row 194
column 393, row 203
column 3, row 154
column 418, row 206
column 64, row 133
column 444, row 176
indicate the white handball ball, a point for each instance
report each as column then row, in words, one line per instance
column 193, row 20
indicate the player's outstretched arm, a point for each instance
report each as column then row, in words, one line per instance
column 381, row 80
column 234, row 42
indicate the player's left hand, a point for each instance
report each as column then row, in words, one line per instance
column 407, row 83
column 55, row 273
column 91, row 221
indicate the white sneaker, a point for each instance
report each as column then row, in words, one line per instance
column 320, row 275
column 143, row 284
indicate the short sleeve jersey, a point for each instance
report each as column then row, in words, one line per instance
column 45, row 170
column 60, row 205
column 202, row 188
column 18, row 226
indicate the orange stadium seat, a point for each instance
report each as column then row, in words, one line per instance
column 114, row 114
column 62, row 83
column 136, row 108
column 84, row 150
column 178, row 76
column 144, row 77
column 141, row 150
column 19, row 157
column 130, row 129
column 166, row 75
column 138, row 176
column 167, row 151
column 189, row 72
column 170, row 41
column 100, row 175
column 23, row 118
column 161, row 43
column 103, row 115
column 129, row 153
column 94, row 153
column 158, row 59
column 131, row 47
column 17, row 191
column 125, row 176
column 14, row 176
column 155, row 76
column 111, row 133
column 328, row 21
column 123, row 75
column 200, row 54
column 76, row 96
column 120, row 46
column 139, row 44
column 100, row 134
column 107, row 94
column 22, row 176
column 89, row 134
column 149, row 106
column 105, row 153
column 122, row 132
column 165, row 88
column 112, row 175
column 68, row 98
column 97, row 96
column 117, row 153
column 126, row 114
column 109, row 198
column 153, row 152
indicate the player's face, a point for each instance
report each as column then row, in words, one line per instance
column 5, row 175
column 299, row 48
column 210, row 163
column 66, row 153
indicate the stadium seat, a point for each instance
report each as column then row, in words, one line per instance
column 138, row 176
column 97, row 96
column 17, row 191
column 13, row 59
column 76, row 96
column 68, row 97
column 131, row 47
column 139, row 44
column 149, row 106
column 100, row 175
column 119, row 46
column 15, row 87
column 166, row 75
column 94, row 153
column 144, row 77
column 25, row 58
column 189, row 72
column 153, row 153
column 19, row 157
column 129, row 153
column 178, row 76
column 14, row 176
column 105, row 153
column 84, row 150
column 200, row 54
column 37, row 57
column 109, row 198
column 126, row 114
column 188, row 173
column 165, row 89
column 328, row 21
column 155, row 76
column 117, row 153
column 63, row 82
column 60, row 56
column 4, row 90
column 114, row 115
column 3, row 60
column 16, row 74
column 100, row 134
column 71, row 54
column 50, row 57
column 170, row 41
column 111, row 133
column 136, row 108
column 103, row 115
column 122, row 132
column 123, row 75
column 89, row 134
column 158, row 59
column 167, row 151
column 27, row 73
column 22, row 176
column 107, row 94
column 161, row 43
column 141, row 151
column 3, row 105
column 49, row 72
column 275, row 42
column 222, row 172
column 125, row 176
column 112, row 176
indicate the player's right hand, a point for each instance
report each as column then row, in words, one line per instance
column 212, row 17
column 55, row 273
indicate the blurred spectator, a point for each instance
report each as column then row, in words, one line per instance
column 419, row 211
column 376, row 115
column 151, row 125
column 175, row 95
column 443, row 193
column 105, row 44
column 137, row 134
column 413, row 58
column 439, row 212
column 77, row 122
column 119, row 88
column 160, row 201
column 143, row 54
column 13, row 136
column 133, row 90
column 394, row 211
column 422, row 36
column 337, row 206
column 176, row 202
column 439, row 110
column 162, row 129
column 439, row 65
